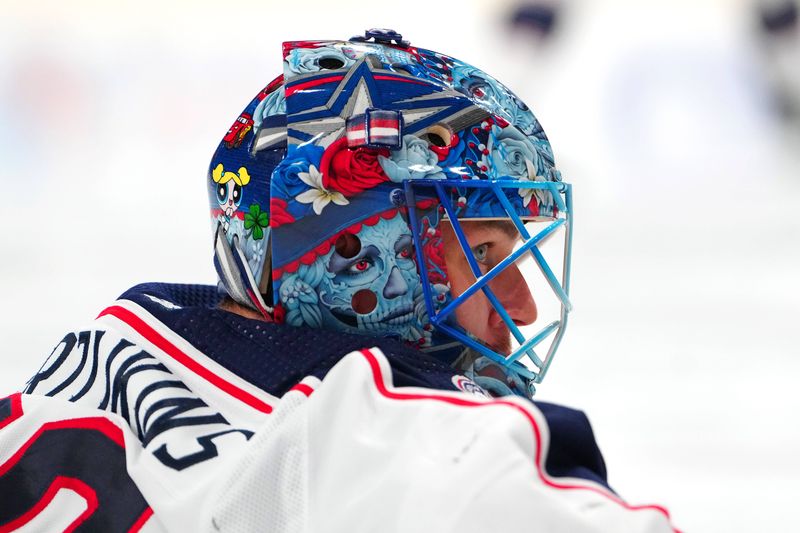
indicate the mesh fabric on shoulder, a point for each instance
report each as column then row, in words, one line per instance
column 270, row 356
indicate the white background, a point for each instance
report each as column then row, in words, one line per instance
column 683, row 347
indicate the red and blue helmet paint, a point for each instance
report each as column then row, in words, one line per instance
column 329, row 191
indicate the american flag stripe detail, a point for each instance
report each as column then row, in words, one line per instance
column 375, row 127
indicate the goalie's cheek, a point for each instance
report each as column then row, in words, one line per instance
column 514, row 294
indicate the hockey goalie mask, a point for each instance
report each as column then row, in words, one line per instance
column 340, row 194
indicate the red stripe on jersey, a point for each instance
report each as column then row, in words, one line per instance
column 147, row 331
column 141, row 521
column 379, row 383
column 302, row 387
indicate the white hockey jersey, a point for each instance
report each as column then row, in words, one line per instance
column 139, row 423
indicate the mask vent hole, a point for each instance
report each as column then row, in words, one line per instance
column 347, row 245
column 331, row 63
column 438, row 135
column 364, row 302
column 435, row 140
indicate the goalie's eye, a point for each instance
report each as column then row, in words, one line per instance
column 481, row 252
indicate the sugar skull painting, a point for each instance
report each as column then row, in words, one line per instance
column 366, row 281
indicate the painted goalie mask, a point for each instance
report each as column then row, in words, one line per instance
column 330, row 193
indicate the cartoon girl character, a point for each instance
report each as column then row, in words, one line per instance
column 229, row 190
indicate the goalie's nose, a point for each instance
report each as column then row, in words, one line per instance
column 515, row 295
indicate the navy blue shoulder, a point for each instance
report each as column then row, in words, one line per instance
column 573, row 448
column 270, row 356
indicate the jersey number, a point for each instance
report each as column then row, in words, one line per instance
column 85, row 455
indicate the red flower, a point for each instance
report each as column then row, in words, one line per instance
column 351, row 171
column 278, row 214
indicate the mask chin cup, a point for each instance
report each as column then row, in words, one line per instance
column 498, row 379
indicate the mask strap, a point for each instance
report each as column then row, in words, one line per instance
column 230, row 263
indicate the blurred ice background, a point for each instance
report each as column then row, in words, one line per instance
column 669, row 117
